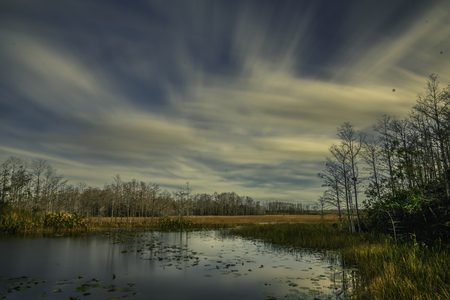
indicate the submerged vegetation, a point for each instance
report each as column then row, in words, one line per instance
column 387, row 268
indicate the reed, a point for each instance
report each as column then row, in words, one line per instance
column 388, row 269
column 165, row 224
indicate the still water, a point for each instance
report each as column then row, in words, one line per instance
column 164, row 265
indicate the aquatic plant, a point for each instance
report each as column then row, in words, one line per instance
column 24, row 284
column 387, row 269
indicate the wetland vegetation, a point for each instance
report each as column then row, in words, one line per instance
column 387, row 268
column 392, row 245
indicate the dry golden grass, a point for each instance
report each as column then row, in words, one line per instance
column 235, row 219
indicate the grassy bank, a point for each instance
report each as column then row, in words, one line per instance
column 388, row 269
column 17, row 220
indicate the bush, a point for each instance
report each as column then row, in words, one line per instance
column 64, row 220
column 168, row 223
column 14, row 220
column 411, row 213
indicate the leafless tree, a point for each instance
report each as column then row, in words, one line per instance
column 352, row 141
column 435, row 106
column 333, row 178
column 38, row 167
column 341, row 155
column 372, row 155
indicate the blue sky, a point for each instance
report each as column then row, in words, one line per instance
column 240, row 96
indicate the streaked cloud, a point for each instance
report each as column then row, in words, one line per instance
column 240, row 96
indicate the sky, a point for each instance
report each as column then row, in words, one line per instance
column 227, row 95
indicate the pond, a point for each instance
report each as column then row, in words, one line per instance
column 165, row 265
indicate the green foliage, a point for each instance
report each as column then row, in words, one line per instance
column 64, row 220
column 311, row 235
column 410, row 212
column 168, row 223
column 14, row 220
column 17, row 220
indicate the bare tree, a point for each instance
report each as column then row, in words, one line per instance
column 352, row 141
column 183, row 201
column 38, row 167
column 52, row 183
column 383, row 127
column 154, row 192
column 435, row 106
column 372, row 154
column 333, row 178
column 5, row 173
column 321, row 204
column 341, row 154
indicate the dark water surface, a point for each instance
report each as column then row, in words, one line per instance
column 155, row 265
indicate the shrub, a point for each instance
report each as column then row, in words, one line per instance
column 410, row 212
column 64, row 221
column 14, row 220
column 168, row 223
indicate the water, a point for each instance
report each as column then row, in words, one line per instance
column 155, row 265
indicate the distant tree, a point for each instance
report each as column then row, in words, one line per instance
column 322, row 203
column 5, row 173
column 38, row 167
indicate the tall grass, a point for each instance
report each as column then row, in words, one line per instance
column 19, row 220
column 174, row 224
column 388, row 269
column 166, row 224
column 64, row 220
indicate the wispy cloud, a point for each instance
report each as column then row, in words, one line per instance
column 240, row 96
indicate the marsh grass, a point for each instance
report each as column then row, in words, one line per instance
column 249, row 219
column 387, row 269
column 21, row 221
column 18, row 220
column 14, row 220
column 173, row 225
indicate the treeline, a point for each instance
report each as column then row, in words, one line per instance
column 37, row 187
column 403, row 170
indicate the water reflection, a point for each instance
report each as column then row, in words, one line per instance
column 177, row 265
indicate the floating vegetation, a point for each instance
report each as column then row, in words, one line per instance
column 269, row 293
column 24, row 284
column 83, row 287
column 205, row 257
